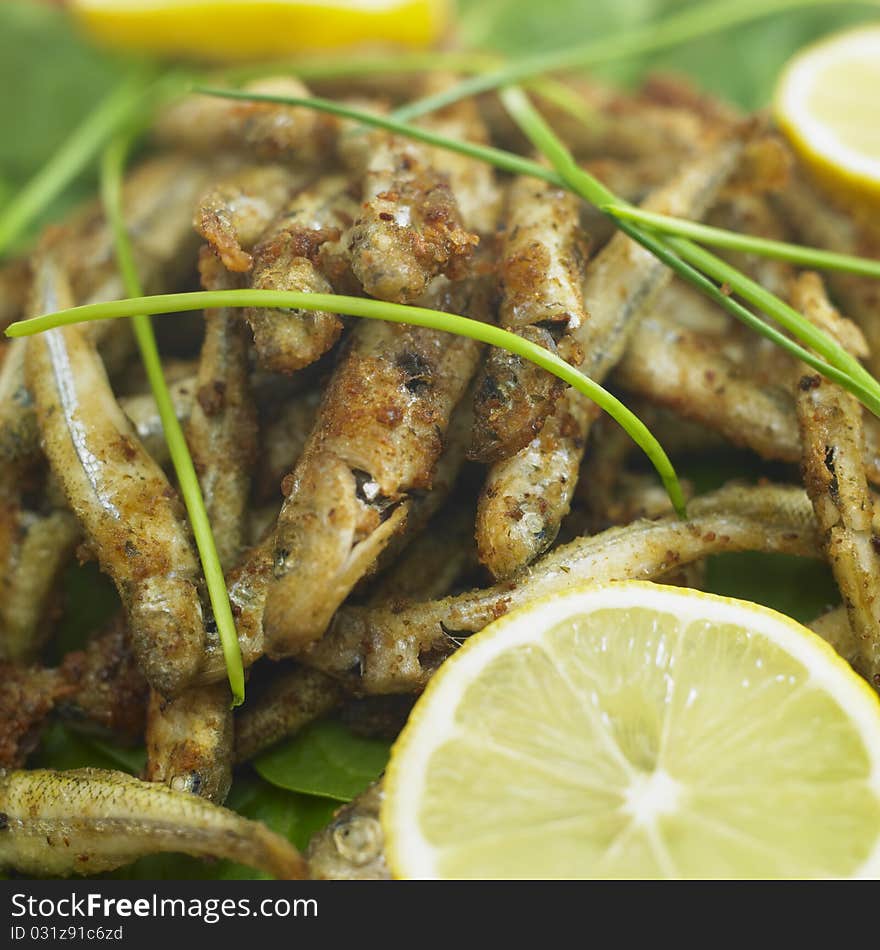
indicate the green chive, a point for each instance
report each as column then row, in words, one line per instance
column 698, row 21
column 719, row 237
column 693, row 263
column 112, row 168
column 600, row 196
column 377, row 310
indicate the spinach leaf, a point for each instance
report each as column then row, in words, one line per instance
column 324, row 759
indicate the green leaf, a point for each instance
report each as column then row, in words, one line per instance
column 50, row 79
column 325, row 759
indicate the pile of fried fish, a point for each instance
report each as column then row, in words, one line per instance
column 379, row 492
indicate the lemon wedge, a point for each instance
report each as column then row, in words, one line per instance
column 638, row 731
column 250, row 29
column 826, row 103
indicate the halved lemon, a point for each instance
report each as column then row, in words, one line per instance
column 638, row 731
column 826, row 103
column 249, row 29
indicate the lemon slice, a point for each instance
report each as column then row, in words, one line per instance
column 638, row 731
column 826, row 103
column 249, row 29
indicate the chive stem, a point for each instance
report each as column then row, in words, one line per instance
column 696, row 265
column 377, row 310
column 604, row 199
column 499, row 158
column 698, row 21
column 719, row 237
column 112, row 167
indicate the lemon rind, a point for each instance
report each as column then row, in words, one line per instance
column 405, row 775
column 812, row 138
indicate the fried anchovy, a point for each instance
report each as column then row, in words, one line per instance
column 157, row 199
column 701, row 379
column 352, row 846
column 236, row 210
column 689, row 373
column 542, row 258
column 85, row 821
column 396, row 648
column 424, row 505
column 409, row 229
column 527, row 495
column 108, row 691
column 189, row 741
column 248, row 583
column 34, row 545
column 434, row 560
column 283, row 439
column 143, row 413
column 221, row 433
column 28, row 696
column 377, row 439
column 834, row 476
column 473, row 182
column 124, row 502
column 835, row 629
column 263, row 130
column 39, row 549
column 288, row 257
column 292, row 698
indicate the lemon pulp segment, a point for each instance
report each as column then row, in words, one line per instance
column 826, row 103
column 639, row 732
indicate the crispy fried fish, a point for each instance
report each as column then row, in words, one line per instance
column 378, row 437
column 236, row 210
column 189, row 741
column 396, row 648
column 834, row 475
column 527, row 495
column 702, row 378
column 542, row 258
column 288, row 257
column 221, row 433
column 124, row 502
column 352, row 846
column 85, row 821
column 410, row 228
column 293, row 697
column 262, row 130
